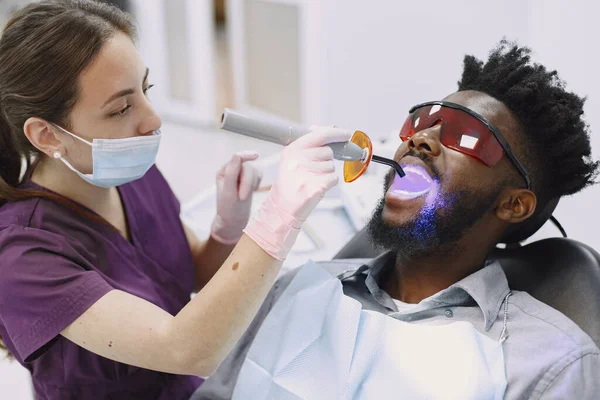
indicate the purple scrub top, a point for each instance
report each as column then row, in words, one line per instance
column 54, row 264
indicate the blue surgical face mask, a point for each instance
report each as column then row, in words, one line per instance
column 118, row 161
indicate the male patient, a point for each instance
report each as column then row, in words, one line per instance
column 431, row 318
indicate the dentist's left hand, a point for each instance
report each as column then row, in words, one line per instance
column 236, row 182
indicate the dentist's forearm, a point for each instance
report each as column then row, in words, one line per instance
column 207, row 328
column 209, row 256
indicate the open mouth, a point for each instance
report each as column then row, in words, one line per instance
column 416, row 183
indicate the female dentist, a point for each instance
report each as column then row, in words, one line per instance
column 96, row 268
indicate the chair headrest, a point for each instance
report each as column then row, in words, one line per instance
column 562, row 273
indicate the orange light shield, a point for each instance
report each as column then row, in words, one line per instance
column 354, row 169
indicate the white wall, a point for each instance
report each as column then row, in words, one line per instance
column 565, row 37
column 385, row 56
column 176, row 42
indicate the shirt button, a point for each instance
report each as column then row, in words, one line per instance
column 449, row 314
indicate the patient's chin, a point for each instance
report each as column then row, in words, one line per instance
column 415, row 233
column 384, row 226
column 396, row 217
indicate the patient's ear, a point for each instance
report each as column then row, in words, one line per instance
column 516, row 205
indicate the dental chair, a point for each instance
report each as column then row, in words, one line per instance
column 561, row 272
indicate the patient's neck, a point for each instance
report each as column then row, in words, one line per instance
column 415, row 278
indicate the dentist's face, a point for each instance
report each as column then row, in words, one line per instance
column 112, row 102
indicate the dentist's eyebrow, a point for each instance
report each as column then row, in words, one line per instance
column 124, row 92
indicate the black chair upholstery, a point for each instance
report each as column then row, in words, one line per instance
column 563, row 273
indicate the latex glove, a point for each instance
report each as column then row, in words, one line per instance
column 236, row 181
column 306, row 173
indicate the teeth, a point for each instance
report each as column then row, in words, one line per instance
column 403, row 194
column 418, row 171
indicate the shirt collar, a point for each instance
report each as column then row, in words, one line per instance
column 488, row 287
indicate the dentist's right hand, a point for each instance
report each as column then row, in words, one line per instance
column 306, row 173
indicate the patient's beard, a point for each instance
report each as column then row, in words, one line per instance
column 436, row 229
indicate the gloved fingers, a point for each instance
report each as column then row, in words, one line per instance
column 324, row 153
column 221, row 172
column 232, row 173
column 243, row 156
column 330, row 180
column 321, row 167
column 250, row 178
column 220, row 181
column 320, row 136
column 323, row 183
column 247, row 155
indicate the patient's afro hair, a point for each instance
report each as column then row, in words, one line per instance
column 556, row 145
